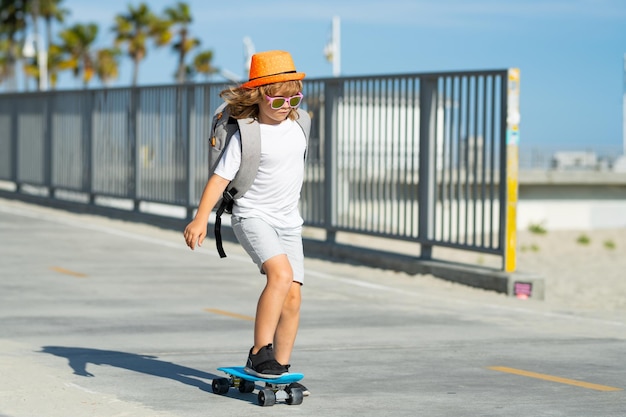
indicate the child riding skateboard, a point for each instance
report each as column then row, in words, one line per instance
column 266, row 219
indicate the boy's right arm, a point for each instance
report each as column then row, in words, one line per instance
column 196, row 230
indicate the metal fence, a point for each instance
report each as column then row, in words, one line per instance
column 417, row 157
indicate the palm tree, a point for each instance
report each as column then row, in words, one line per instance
column 76, row 41
column 107, row 65
column 33, row 9
column 4, row 51
column 12, row 24
column 50, row 11
column 56, row 63
column 202, row 64
column 135, row 28
column 181, row 16
column 183, row 49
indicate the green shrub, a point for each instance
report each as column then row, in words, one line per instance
column 537, row 229
column 609, row 244
column 533, row 248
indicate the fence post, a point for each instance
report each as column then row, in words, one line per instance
column 427, row 149
column 15, row 153
column 512, row 168
column 133, row 136
column 189, row 146
column 88, row 156
column 48, row 149
column 333, row 92
column 184, row 93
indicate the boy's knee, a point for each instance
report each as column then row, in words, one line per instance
column 281, row 277
column 279, row 271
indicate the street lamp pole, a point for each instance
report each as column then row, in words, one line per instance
column 33, row 48
column 332, row 50
column 336, row 46
column 624, row 109
column 42, row 60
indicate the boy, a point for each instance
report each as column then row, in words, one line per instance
column 266, row 219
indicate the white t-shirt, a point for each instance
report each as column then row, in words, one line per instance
column 275, row 192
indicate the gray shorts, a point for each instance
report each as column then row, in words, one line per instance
column 263, row 242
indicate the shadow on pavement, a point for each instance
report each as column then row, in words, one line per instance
column 79, row 358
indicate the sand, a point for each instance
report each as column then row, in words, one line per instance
column 583, row 270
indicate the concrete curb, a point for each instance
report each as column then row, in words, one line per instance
column 515, row 284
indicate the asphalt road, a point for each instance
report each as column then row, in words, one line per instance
column 100, row 317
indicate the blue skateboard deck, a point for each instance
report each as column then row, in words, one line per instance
column 275, row 388
column 240, row 373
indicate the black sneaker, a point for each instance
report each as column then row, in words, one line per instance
column 263, row 364
column 305, row 391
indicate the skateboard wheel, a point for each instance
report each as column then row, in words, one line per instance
column 267, row 397
column 246, row 386
column 220, row 386
column 294, row 396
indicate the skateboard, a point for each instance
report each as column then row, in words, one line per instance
column 275, row 388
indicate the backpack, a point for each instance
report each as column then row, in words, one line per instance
column 223, row 127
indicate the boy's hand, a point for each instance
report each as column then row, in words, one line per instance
column 195, row 232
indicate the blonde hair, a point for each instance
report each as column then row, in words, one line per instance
column 243, row 103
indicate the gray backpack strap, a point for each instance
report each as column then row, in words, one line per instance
column 250, row 133
column 222, row 129
column 304, row 120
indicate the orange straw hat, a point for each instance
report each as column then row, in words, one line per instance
column 272, row 67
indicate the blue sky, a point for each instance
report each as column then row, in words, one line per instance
column 570, row 52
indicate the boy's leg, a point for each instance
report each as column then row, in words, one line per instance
column 272, row 300
column 287, row 329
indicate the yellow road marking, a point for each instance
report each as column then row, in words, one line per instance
column 68, row 272
column 229, row 314
column 552, row 378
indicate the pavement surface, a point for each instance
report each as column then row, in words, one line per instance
column 100, row 317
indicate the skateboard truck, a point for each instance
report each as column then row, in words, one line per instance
column 275, row 389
